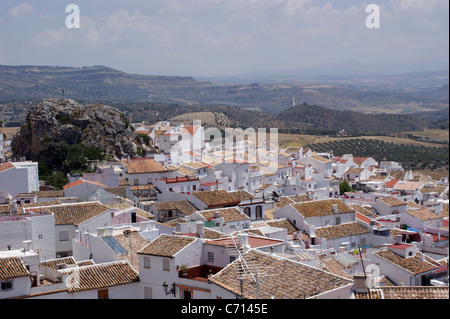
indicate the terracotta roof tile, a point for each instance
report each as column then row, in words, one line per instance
column 166, row 245
column 343, row 230
column 101, row 276
column 417, row 292
column 296, row 281
column 145, row 165
column 283, row 223
column 321, row 207
column 53, row 263
column 216, row 198
column 391, row 201
column 75, row 214
column 413, row 264
column 228, row 214
column 12, row 267
column 183, row 206
column 5, row 166
column 423, row 214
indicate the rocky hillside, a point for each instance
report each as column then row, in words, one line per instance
column 64, row 120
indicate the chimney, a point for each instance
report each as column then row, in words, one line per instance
column 217, row 214
column 200, row 229
column 143, row 226
column 151, row 225
column 101, row 231
column 109, row 231
column 398, row 239
column 360, row 283
column 335, row 209
column 243, row 242
column 27, row 245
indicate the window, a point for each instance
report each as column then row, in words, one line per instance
column 210, row 256
column 194, row 187
column 232, row 258
column 102, row 294
column 6, row 285
column 147, row 262
column 247, row 211
column 187, row 294
column 338, row 220
column 64, row 235
column 259, row 212
column 40, row 236
column 166, row 264
column 136, row 181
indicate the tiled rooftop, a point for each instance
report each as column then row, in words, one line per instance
column 423, row 214
column 217, row 198
column 75, row 214
column 321, row 207
column 228, row 214
column 342, row 230
column 145, row 165
column 132, row 241
column 253, row 241
column 5, row 166
column 166, row 245
column 391, row 201
column 433, row 189
column 183, row 206
column 53, row 263
column 295, row 281
column 283, row 223
column 413, row 265
column 418, row 292
column 101, row 276
column 12, row 267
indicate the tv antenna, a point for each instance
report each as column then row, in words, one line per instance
column 247, row 269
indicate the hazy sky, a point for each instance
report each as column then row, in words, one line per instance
column 220, row 37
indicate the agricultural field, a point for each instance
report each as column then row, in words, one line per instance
column 415, row 157
column 9, row 131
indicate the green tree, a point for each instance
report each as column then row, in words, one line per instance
column 57, row 180
column 56, row 153
column 344, row 187
column 76, row 158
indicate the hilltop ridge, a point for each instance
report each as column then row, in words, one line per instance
column 406, row 93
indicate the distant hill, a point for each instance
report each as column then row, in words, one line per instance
column 389, row 94
column 296, row 119
column 299, row 117
column 86, row 83
column 321, row 118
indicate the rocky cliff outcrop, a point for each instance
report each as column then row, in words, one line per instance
column 56, row 120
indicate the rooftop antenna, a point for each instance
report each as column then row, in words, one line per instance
column 247, row 269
